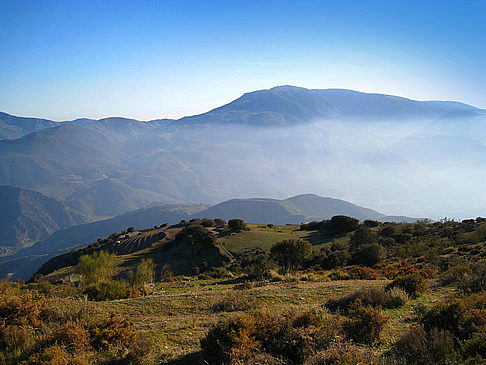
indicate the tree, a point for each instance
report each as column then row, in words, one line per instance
column 362, row 236
column 96, row 267
column 194, row 234
column 144, row 274
column 342, row 224
column 368, row 255
column 290, row 254
column 237, row 225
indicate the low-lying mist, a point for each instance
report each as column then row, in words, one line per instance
column 419, row 168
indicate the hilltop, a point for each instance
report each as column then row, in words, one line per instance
column 294, row 210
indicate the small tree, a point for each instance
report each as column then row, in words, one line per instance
column 290, row 254
column 96, row 267
column 144, row 274
column 195, row 234
column 362, row 236
column 237, row 225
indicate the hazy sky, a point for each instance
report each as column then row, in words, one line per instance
column 152, row 59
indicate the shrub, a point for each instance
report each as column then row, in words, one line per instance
column 476, row 345
column 35, row 330
column 312, row 226
column 365, row 323
column 246, row 285
column 256, row 264
column 207, row 222
column 342, row 353
column 421, row 346
column 371, row 223
column 291, row 337
column 73, row 336
column 374, row 297
column 106, row 290
column 412, row 284
column 461, row 316
column 388, row 231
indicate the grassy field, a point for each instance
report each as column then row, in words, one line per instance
column 265, row 237
column 180, row 313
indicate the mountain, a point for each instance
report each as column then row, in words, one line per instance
column 289, row 105
column 14, row 127
column 396, row 154
column 28, row 216
column 26, row 261
column 295, row 210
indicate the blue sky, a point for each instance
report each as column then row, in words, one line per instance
column 153, row 59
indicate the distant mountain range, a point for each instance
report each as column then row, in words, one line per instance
column 281, row 105
column 275, row 142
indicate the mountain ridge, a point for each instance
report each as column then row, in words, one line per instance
column 331, row 97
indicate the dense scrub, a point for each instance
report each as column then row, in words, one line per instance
column 38, row 330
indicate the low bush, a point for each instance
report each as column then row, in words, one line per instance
column 421, row 346
column 413, row 284
column 36, row 330
column 246, row 285
column 342, row 353
column 365, row 323
column 290, row 336
column 373, row 297
column 461, row 316
column 476, row 345
column 107, row 290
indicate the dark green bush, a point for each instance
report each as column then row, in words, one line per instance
column 341, row 224
column 368, row 255
column 413, row 284
column 237, row 225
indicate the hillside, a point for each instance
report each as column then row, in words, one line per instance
column 26, row 261
column 28, row 216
